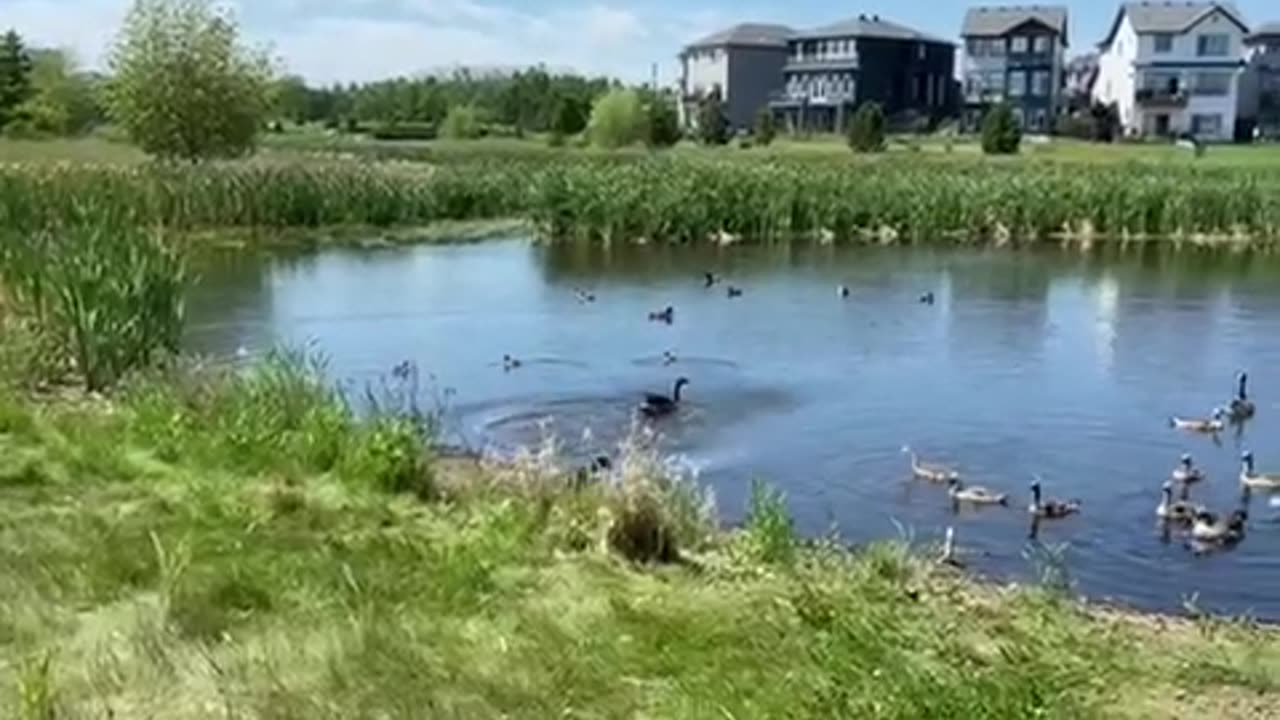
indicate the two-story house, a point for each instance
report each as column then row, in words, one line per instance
column 1262, row 77
column 1015, row 55
column 832, row 70
column 743, row 63
column 1174, row 68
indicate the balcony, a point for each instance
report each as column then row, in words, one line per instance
column 811, row 97
column 1161, row 98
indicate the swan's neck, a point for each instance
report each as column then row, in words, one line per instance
column 676, row 394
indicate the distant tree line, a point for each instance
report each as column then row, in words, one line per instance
column 42, row 92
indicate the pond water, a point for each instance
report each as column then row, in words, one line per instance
column 1048, row 362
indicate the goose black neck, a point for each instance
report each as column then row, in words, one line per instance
column 1243, row 392
column 675, row 395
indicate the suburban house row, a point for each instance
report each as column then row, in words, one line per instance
column 1169, row 68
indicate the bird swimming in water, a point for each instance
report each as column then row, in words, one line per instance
column 584, row 296
column 1241, row 407
column 667, row 315
column 734, row 292
column 842, row 291
column 710, row 279
column 509, row 363
column 1051, row 509
column 656, row 405
column 927, row 298
column 668, row 358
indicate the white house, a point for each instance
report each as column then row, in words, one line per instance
column 1174, row 68
column 743, row 64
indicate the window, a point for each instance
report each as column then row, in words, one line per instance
column 1042, row 44
column 1017, row 83
column 1206, row 125
column 1161, row 82
column 1019, row 44
column 922, row 51
column 1040, row 81
column 1212, row 45
column 974, row 47
column 1018, row 117
column 1211, row 83
column 1163, row 43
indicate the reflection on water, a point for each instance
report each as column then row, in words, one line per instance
column 1053, row 363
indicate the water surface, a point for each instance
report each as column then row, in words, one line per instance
column 1044, row 362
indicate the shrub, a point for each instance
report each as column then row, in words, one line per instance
column 461, row 123
column 770, row 534
column 766, row 128
column 1000, row 132
column 569, row 117
column 866, row 130
column 713, row 126
column 389, row 454
column 404, row 131
column 663, row 127
column 617, row 119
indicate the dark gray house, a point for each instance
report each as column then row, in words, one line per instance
column 1015, row 55
column 743, row 63
column 1261, row 95
column 832, row 70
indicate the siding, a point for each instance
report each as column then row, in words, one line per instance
column 753, row 74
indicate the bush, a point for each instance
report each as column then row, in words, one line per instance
column 663, row 127
column 866, row 130
column 617, row 119
column 461, row 123
column 404, row 131
column 1000, row 132
column 770, row 534
column 569, row 117
column 713, row 126
column 766, row 128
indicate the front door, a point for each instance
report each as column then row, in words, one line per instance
column 1162, row 125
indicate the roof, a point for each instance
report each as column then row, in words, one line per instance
column 749, row 34
column 1170, row 17
column 869, row 26
column 1268, row 30
column 994, row 21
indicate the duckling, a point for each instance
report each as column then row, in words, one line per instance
column 1219, row 531
column 1251, row 478
column 1051, row 509
column 927, row 298
column 1200, row 425
column 929, row 472
column 667, row 315
column 509, row 363
column 734, row 292
column 655, row 405
column 1181, row 511
column 1241, row 407
column 1187, row 473
column 975, row 495
column 842, row 291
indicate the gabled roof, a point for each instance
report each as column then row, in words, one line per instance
column 868, row 26
column 1269, row 30
column 747, row 34
column 1170, row 17
column 994, row 21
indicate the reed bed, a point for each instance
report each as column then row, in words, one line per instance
column 674, row 197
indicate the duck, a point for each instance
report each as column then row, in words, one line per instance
column 1251, row 478
column 974, row 495
column 1180, row 511
column 710, row 278
column 1200, row 425
column 1187, row 473
column 1241, row 407
column 1208, row 528
column 509, row 363
column 666, row 315
column 584, row 296
column 927, row 298
column 929, row 472
column 734, row 292
column 668, row 358
column 1051, row 509
column 842, row 291
column 655, row 405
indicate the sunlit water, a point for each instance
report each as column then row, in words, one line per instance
column 1049, row 362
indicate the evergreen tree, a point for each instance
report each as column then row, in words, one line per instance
column 15, row 76
column 866, row 130
column 1000, row 132
column 663, row 123
column 713, row 126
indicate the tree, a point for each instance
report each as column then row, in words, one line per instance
column 663, row 127
column 569, row 116
column 183, row 86
column 63, row 101
column 15, row 76
column 766, row 128
column 1000, row 132
column 617, row 119
column 866, row 129
column 462, row 123
column 1106, row 121
column 713, row 126
column 293, row 99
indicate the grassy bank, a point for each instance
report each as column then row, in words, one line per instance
column 205, row 544
column 670, row 198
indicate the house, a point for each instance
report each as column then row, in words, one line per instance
column 1174, row 68
column 743, row 64
column 1015, row 55
column 1260, row 97
column 832, row 70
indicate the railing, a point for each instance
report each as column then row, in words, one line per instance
column 811, row 97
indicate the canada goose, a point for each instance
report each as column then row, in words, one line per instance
column 1200, row 425
column 842, row 291
column 1179, row 512
column 975, row 495
column 1241, row 407
column 1051, row 509
column 734, row 292
column 509, row 363
column 1210, row 529
column 928, row 471
column 927, row 298
column 1251, row 478
column 667, row 315
column 655, row 405
column 1187, row 473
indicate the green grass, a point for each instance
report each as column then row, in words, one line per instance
column 206, row 545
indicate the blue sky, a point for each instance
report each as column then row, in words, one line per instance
column 327, row 40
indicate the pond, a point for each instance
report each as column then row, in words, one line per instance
column 1051, row 362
